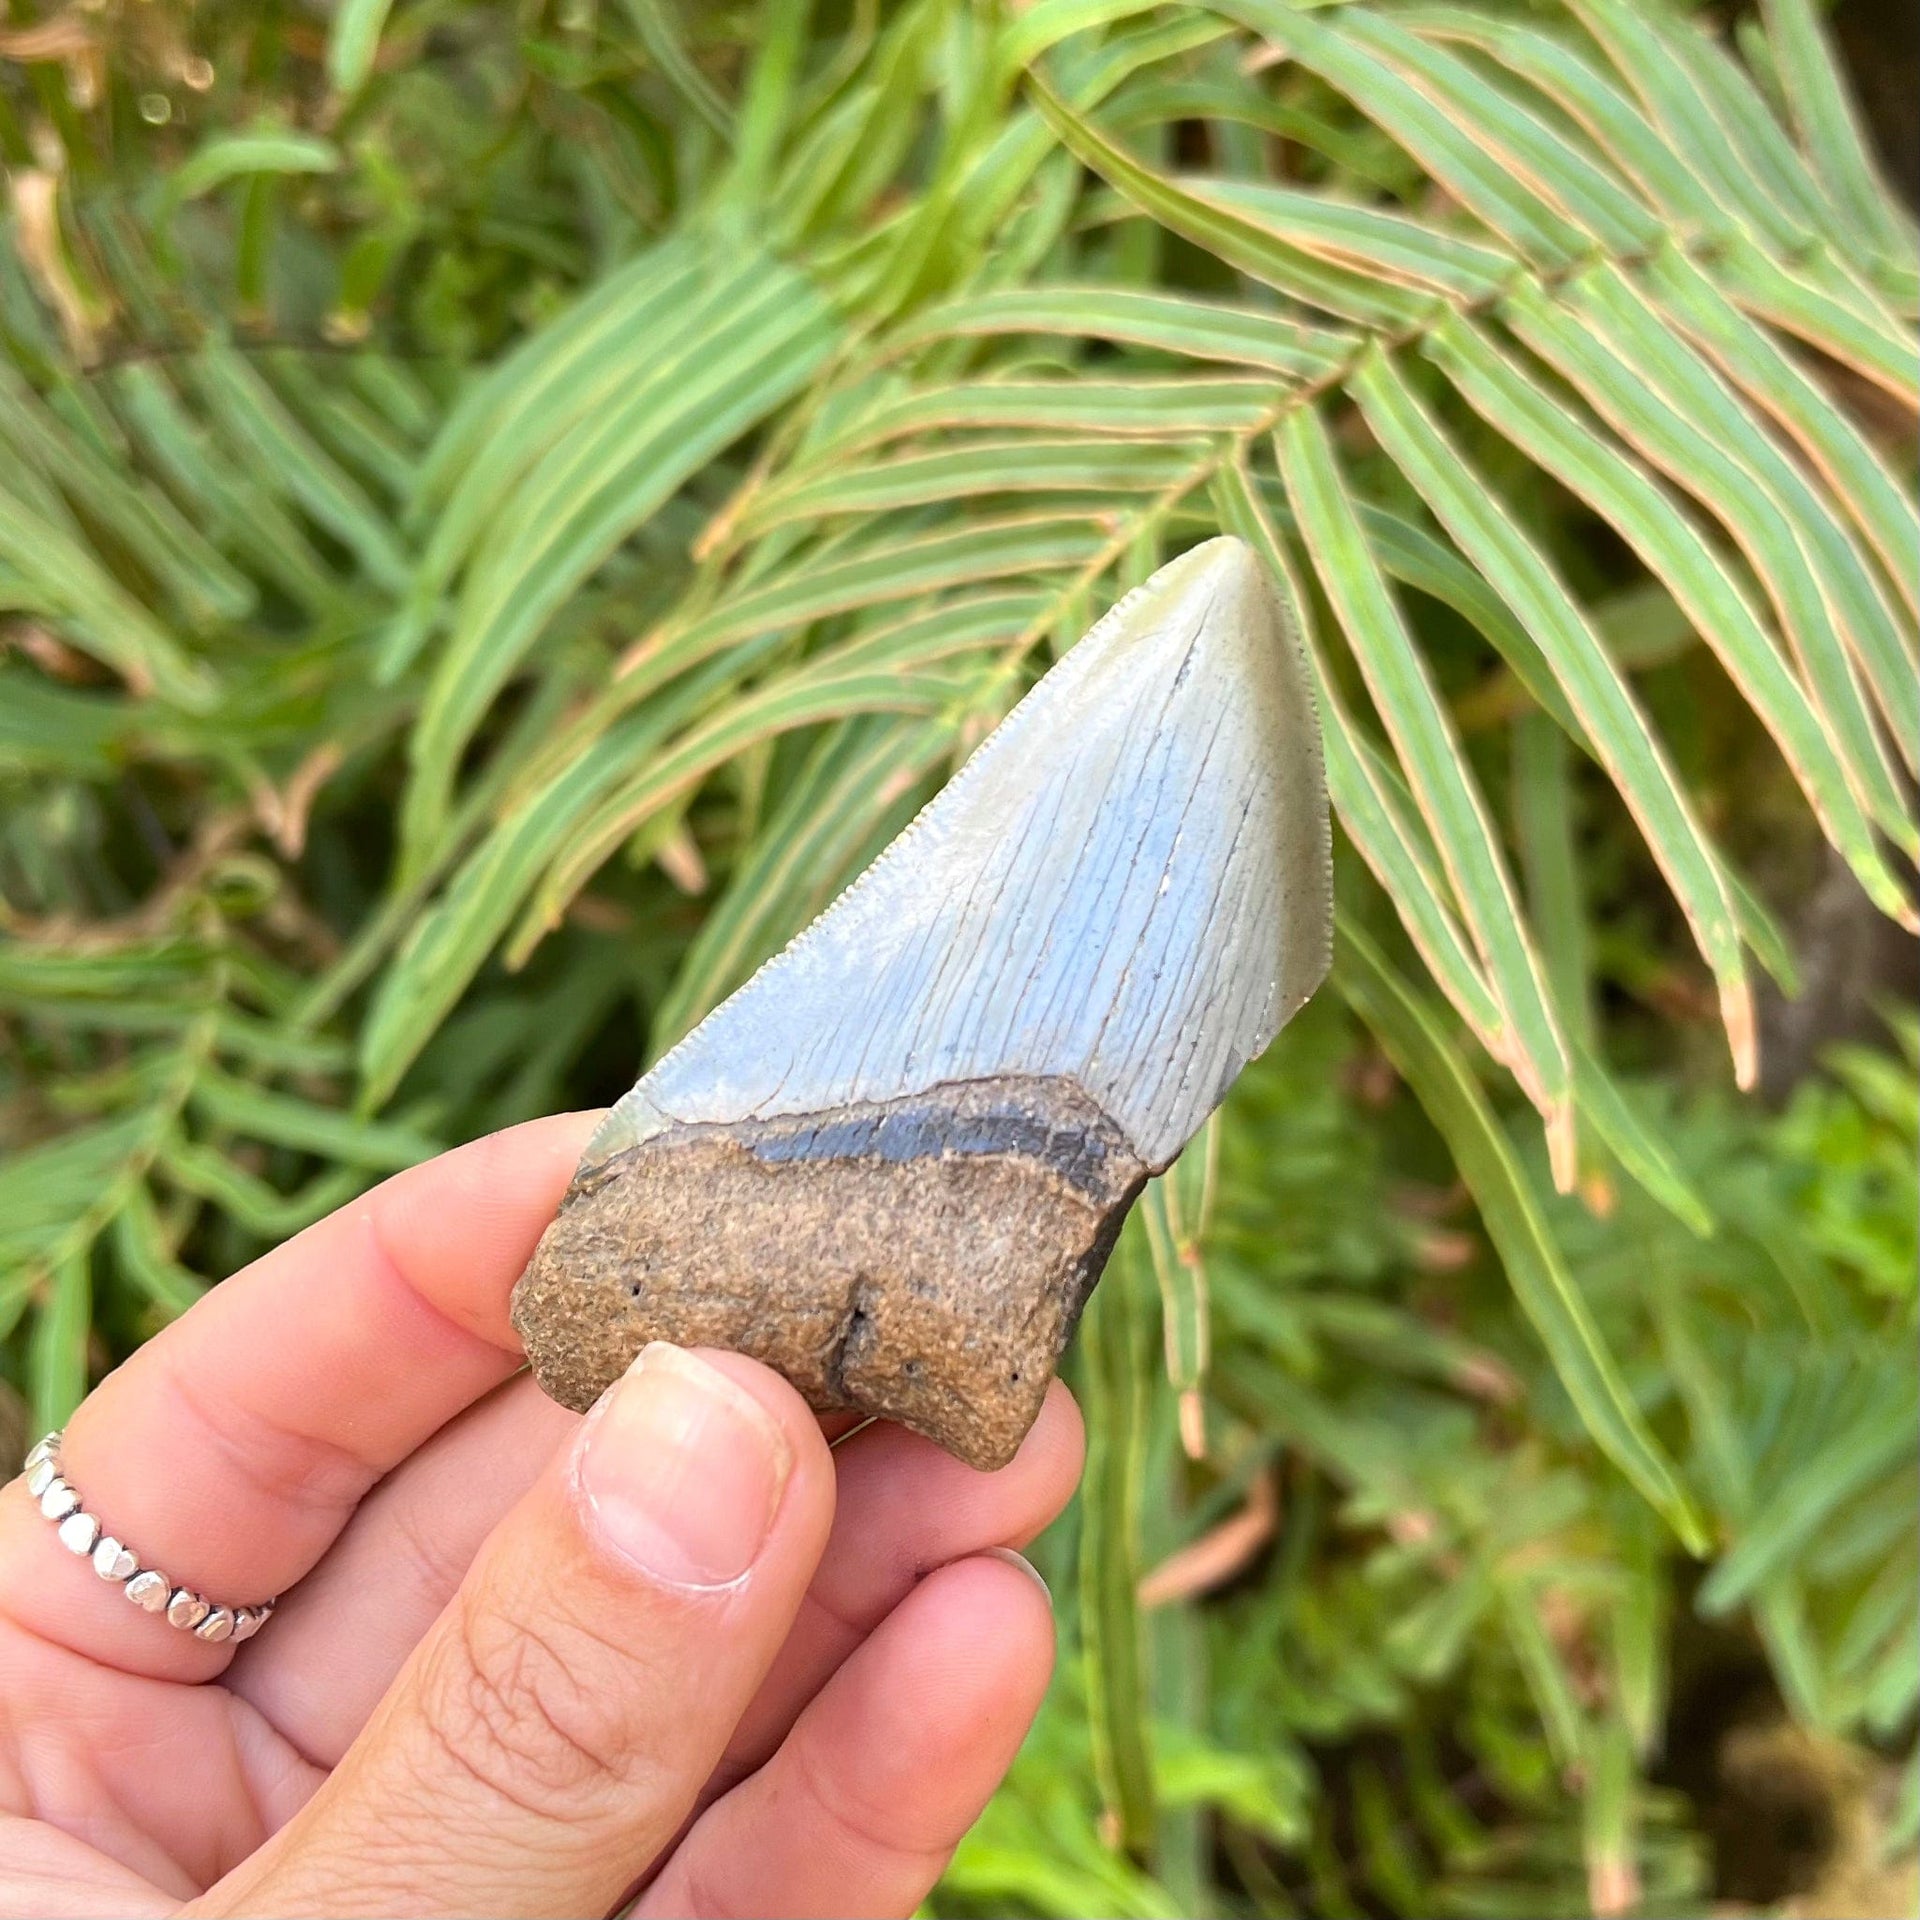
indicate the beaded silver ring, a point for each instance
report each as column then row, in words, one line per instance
column 147, row 1588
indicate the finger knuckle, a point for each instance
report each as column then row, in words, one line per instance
column 511, row 1706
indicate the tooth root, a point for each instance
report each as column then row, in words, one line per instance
column 924, row 1260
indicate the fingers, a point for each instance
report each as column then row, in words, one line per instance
column 48, row 1871
column 230, row 1449
column 345, row 1631
column 883, row 1774
column 549, row 1734
column 903, row 1508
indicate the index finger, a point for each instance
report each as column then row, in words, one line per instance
column 230, row 1450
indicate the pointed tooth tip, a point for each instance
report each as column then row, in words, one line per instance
column 1228, row 555
column 1221, row 580
column 1222, row 565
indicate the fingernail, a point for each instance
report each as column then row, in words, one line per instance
column 1025, row 1565
column 681, row 1470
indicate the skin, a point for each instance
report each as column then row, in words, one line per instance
column 525, row 1663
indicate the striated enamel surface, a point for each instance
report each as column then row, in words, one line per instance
column 1127, row 886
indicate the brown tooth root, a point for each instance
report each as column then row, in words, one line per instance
column 923, row 1259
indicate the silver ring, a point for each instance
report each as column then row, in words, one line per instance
column 147, row 1587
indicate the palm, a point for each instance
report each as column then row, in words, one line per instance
column 138, row 1766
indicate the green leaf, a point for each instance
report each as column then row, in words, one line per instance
column 48, row 1191
column 1856, row 334
column 245, row 518
column 768, row 101
column 1114, row 1371
column 223, row 157
column 1765, row 938
column 1879, row 1440
column 824, row 690
column 1610, row 1804
column 1233, row 236
column 685, row 339
column 198, row 581
column 1545, row 1671
column 980, row 468
column 1885, row 654
column 1655, row 58
column 1399, row 251
column 343, row 423
column 141, row 1247
column 557, row 375
column 57, row 1367
column 1591, row 100
column 1234, row 111
column 1830, row 130
column 1501, row 195
column 1436, row 766
column 966, row 624
column 875, row 575
column 1615, row 383
column 1174, row 1212
column 1849, row 463
column 1542, row 807
column 1456, row 105
column 290, row 465
column 659, row 33
column 1152, row 409
column 1414, row 557
column 58, row 730
column 1406, row 1027
column 1029, row 34
column 719, row 370
column 1167, row 323
column 353, row 43
column 252, row 1203
column 450, row 942
column 1635, row 1144
column 855, row 790
column 287, row 1121
column 1371, row 807
column 1490, row 538
column 46, row 570
column 1655, row 524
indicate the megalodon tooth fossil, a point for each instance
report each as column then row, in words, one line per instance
column 893, row 1164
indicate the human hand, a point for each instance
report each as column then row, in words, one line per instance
column 525, row 1664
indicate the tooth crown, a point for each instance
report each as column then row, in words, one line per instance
column 1126, row 887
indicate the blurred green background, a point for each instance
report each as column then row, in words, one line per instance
column 505, row 509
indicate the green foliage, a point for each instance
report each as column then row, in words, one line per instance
column 503, row 511
column 1441, row 1689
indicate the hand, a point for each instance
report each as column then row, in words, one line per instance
column 525, row 1664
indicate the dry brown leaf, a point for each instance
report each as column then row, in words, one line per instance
column 678, row 856
column 1219, row 1553
column 295, row 805
column 36, row 206
column 60, row 38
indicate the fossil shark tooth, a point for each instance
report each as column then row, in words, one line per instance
column 893, row 1164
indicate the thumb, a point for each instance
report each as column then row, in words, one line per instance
column 549, row 1735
